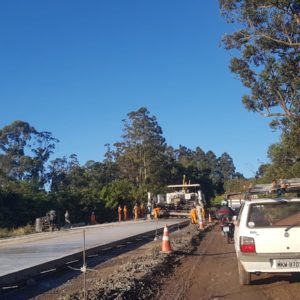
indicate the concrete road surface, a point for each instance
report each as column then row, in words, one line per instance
column 28, row 251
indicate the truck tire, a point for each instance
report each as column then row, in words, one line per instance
column 244, row 276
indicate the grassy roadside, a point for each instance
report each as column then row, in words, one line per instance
column 5, row 232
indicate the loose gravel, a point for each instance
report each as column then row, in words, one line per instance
column 138, row 275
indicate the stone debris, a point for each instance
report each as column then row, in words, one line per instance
column 142, row 275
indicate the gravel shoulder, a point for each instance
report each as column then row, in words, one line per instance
column 138, row 274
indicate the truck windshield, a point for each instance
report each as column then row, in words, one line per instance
column 274, row 214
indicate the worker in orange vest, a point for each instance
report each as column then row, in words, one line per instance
column 136, row 211
column 93, row 219
column 120, row 213
column 156, row 212
column 142, row 211
column 194, row 215
column 125, row 212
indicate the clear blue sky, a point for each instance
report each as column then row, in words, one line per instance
column 76, row 68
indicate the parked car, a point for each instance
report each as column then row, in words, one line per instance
column 266, row 237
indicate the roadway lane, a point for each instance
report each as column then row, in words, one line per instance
column 211, row 273
column 21, row 253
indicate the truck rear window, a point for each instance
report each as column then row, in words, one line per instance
column 281, row 213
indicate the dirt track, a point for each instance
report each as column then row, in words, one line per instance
column 211, row 273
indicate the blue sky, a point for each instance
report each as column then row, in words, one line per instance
column 76, row 68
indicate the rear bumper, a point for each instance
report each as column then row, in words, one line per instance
column 268, row 263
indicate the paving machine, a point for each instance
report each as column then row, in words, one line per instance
column 180, row 199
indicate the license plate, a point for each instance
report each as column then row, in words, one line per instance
column 286, row 263
column 226, row 228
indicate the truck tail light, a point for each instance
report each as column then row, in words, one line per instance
column 247, row 244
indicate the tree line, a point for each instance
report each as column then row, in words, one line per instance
column 31, row 182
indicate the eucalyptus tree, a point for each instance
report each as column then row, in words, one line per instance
column 212, row 162
column 110, row 167
column 226, row 166
column 267, row 59
column 24, row 152
column 140, row 155
column 58, row 174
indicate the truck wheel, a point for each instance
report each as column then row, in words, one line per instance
column 244, row 277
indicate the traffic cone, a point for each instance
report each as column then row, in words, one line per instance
column 209, row 218
column 166, row 245
column 201, row 225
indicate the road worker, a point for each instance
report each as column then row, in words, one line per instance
column 199, row 215
column 142, row 211
column 149, row 206
column 136, row 211
column 67, row 219
column 93, row 218
column 199, row 212
column 156, row 212
column 194, row 215
column 120, row 213
column 52, row 218
column 125, row 212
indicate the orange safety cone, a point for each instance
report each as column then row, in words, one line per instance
column 209, row 218
column 166, row 245
column 201, row 225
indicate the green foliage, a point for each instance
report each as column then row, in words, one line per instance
column 217, row 200
column 19, row 209
column 116, row 193
column 141, row 153
column 23, row 153
column 142, row 162
column 284, row 156
column 269, row 60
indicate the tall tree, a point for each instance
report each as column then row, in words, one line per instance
column 24, row 152
column 58, row 174
column 269, row 60
column 226, row 166
column 140, row 155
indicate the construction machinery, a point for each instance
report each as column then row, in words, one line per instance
column 47, row 223
column 179, row 200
